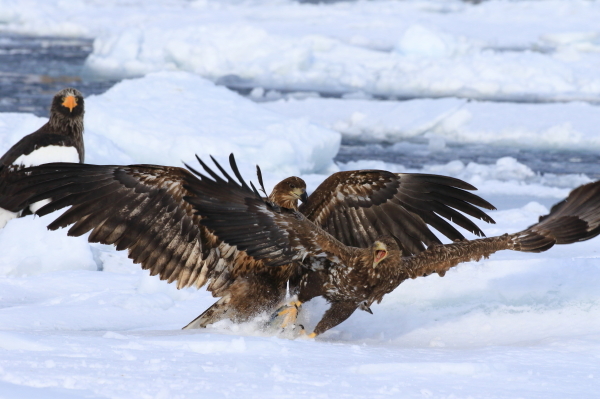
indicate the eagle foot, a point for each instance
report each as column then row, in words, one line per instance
column 289, row 312
column 304, row 335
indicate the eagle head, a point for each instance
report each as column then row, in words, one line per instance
column 385, row 247
column 68, row 103
column 287, row 192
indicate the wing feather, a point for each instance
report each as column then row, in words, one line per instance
column 265, row 231
column 398, row 204
column 577, row 218
column 140, row 208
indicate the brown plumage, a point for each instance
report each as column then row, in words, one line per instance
column 59, row 140
column 350, row 277
column 356, row 207
column 147, row 209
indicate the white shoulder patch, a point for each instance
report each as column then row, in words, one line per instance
column 51, row 153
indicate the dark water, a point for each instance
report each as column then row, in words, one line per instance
column 416, row 154
column 33, row 69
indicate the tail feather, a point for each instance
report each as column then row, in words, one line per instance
column 211, row 315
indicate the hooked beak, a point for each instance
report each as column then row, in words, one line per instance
column 300, row 193
column 304, row 197
column 364, row 306
column 70, row 102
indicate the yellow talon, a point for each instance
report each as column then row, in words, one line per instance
column 287, row 311
column 290, row 311
column 303, row 334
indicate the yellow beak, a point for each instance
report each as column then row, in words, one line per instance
column 70, row 102
column 380, row 252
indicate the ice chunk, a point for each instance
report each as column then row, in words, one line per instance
column 165, row 118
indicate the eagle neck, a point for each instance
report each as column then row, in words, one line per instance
column 71, row 127
column 283, row 201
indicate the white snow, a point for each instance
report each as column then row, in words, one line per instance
column 495, row 50
column 28, row 249
column 572, row 125
column 79, row 320
column 6, row 216
column 168, row 117
column 531, row 319
column 14, row 126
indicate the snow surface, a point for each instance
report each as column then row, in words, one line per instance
column 168, row 117
column 526, row 50
column 572, row 125
column 79, row 320
column 517, row 325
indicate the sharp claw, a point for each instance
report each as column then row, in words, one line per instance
column 303, row 334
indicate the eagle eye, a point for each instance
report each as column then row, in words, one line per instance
column 292, row 186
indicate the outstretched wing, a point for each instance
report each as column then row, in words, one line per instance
column 581, row 208
column 239, row 216
column 140, row 208
column 358, row 206
column 577, row 218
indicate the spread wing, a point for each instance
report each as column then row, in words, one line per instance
column 140, row 208
column 576, row 218
column 358, row 206
column 238, row 215
column 581, row 207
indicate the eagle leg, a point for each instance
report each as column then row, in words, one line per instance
column 337, row 313
column 289, row 312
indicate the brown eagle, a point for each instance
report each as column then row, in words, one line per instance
column 349, row 277
column 59, row 140
column 148, row 210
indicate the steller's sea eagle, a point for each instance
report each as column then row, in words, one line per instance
column 59, row 140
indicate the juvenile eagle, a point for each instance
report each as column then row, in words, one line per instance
column 349, row 277
column 147, row 209
column 59, row 140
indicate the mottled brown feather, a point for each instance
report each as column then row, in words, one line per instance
column 139, row 208
column 350, row 277
column 385, row 194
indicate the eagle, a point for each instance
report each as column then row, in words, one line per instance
column 59, row 140
column 148, row 210
column 352, row 277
